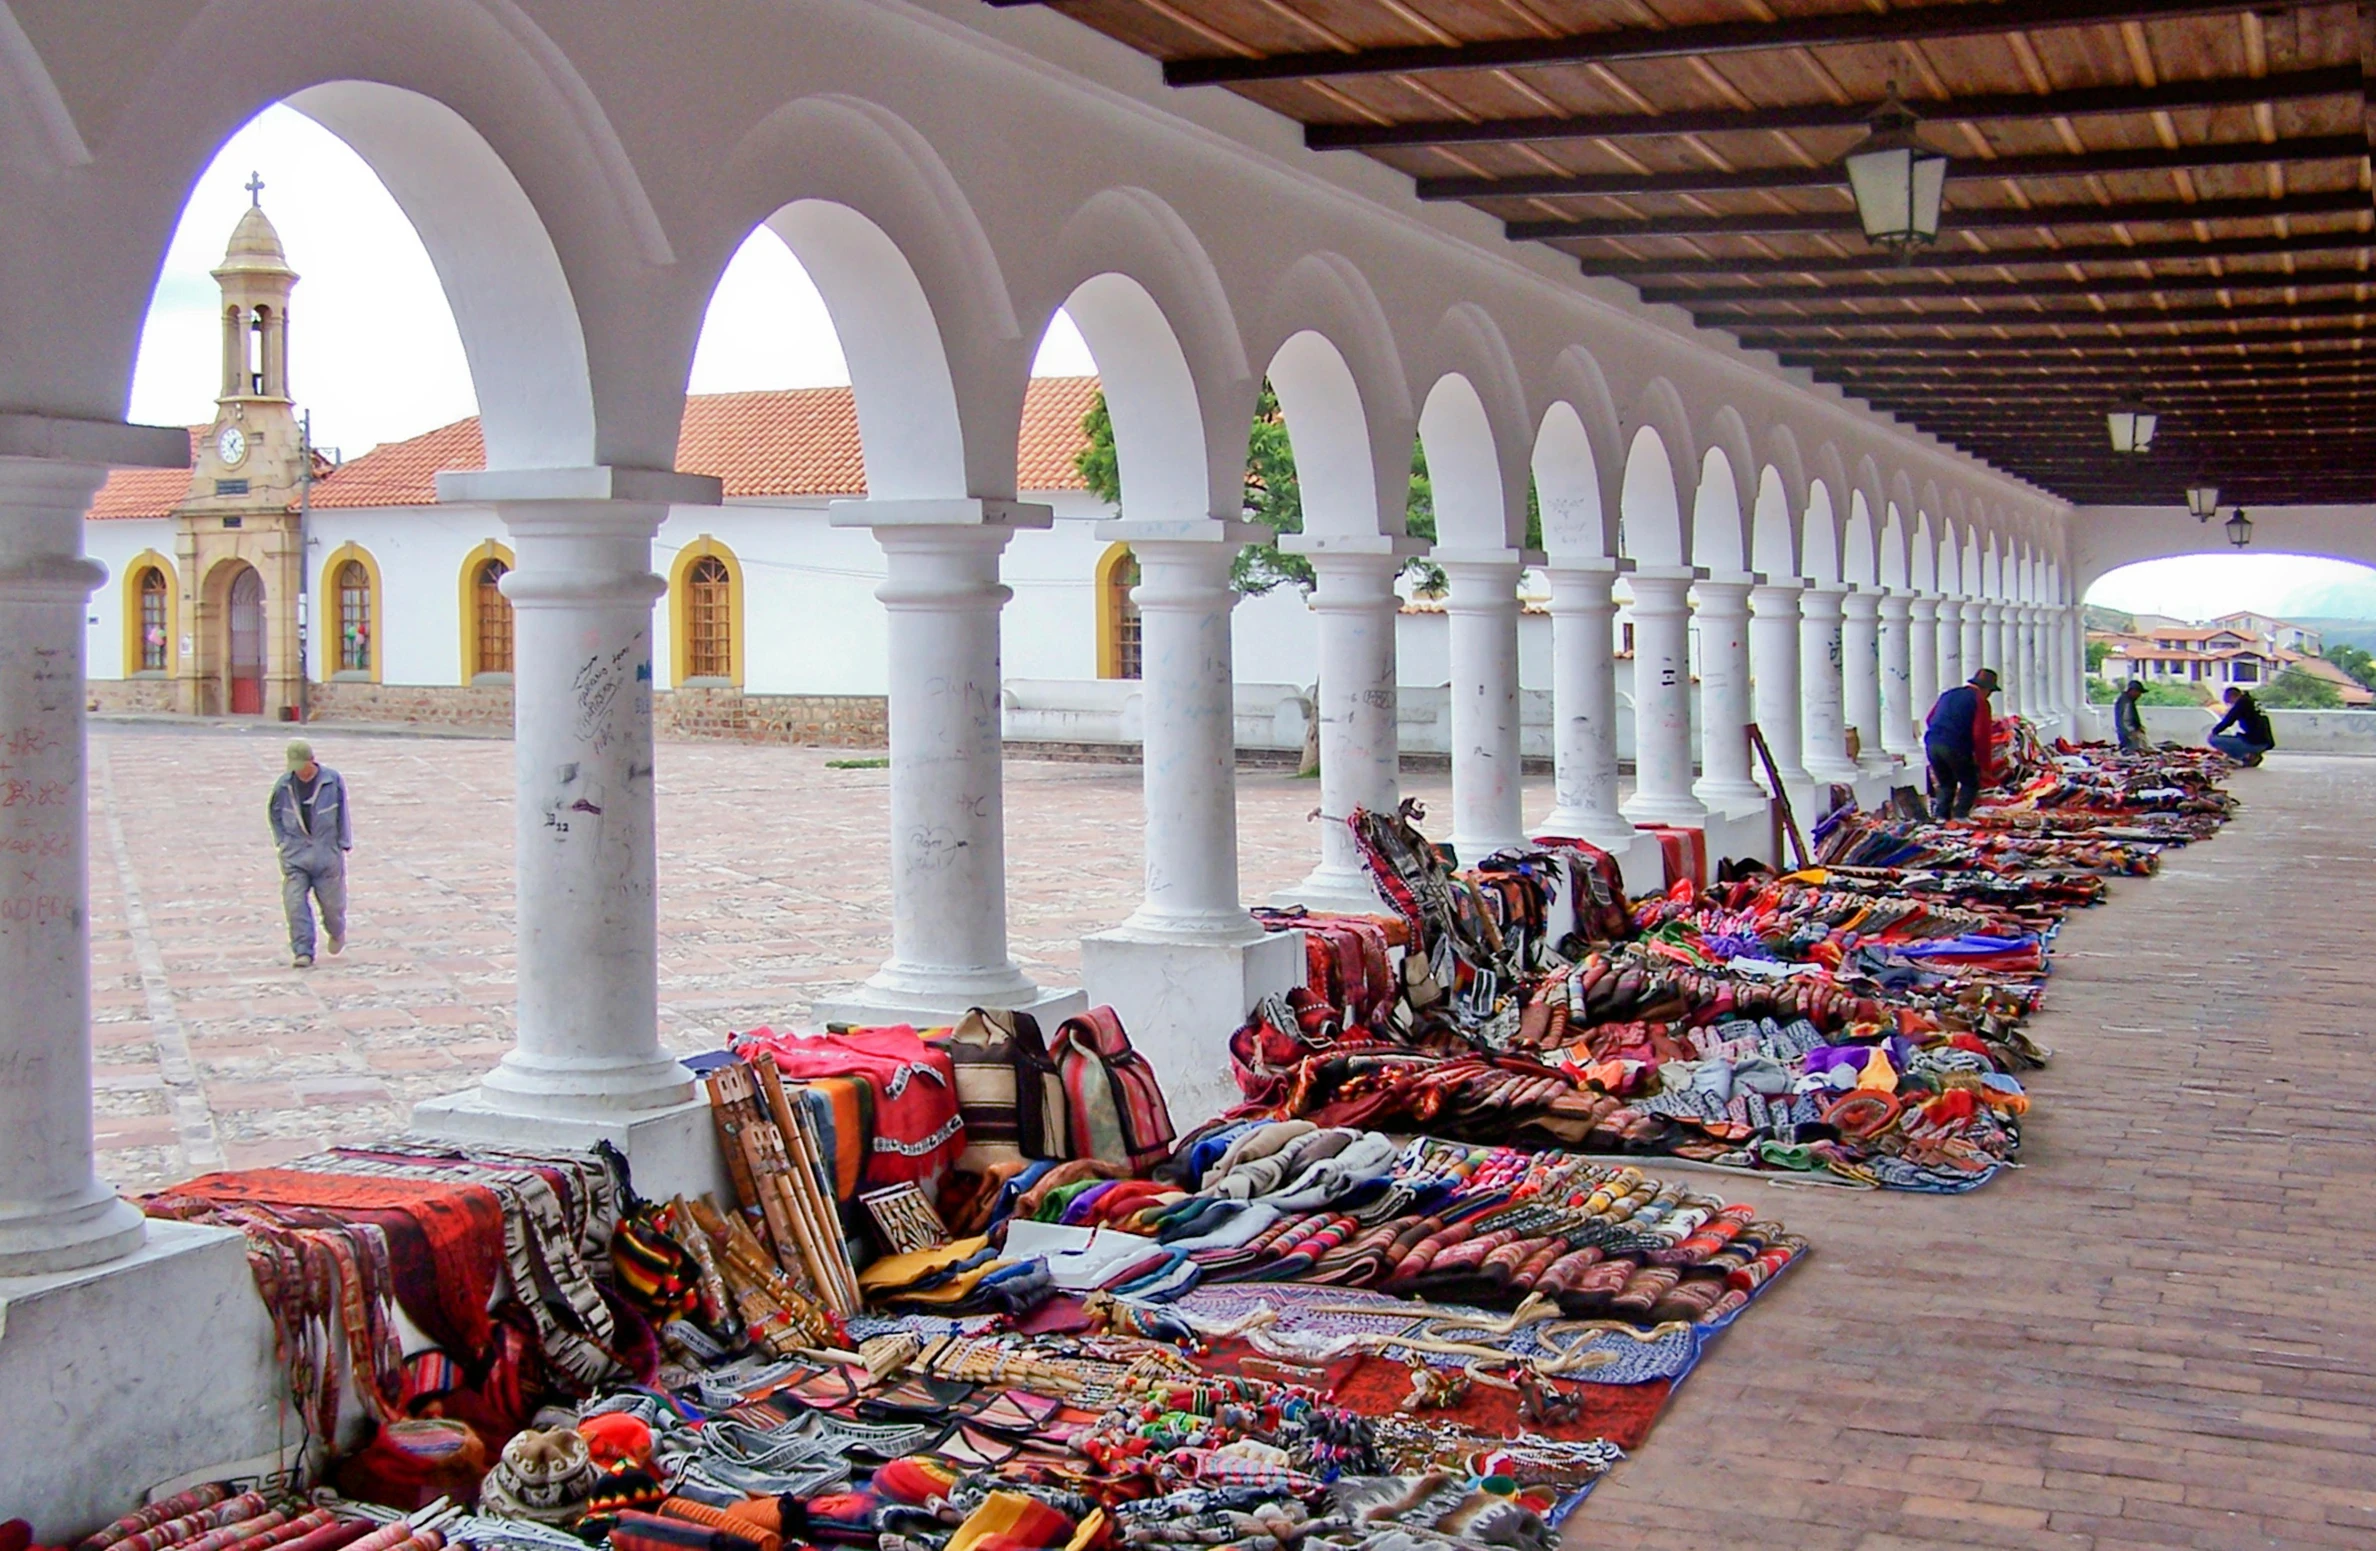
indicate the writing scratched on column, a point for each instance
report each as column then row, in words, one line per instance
column 595, row 690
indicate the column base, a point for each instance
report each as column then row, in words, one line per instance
column 1181, row 1001
column 671, row 1150
column 585, row 1088
column 1334, row 891
column 1722, row 797
column 1610, row 831
column 121, row 1377
column 1666, row 812
column 1475, row 848
column 106, row 1227
column 872, row 1004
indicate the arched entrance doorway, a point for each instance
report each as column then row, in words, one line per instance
column 243, row 624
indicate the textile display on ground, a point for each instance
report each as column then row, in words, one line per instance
column 1859, row 1018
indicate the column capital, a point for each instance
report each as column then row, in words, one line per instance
column 1709, row 578
column 961, row 511
column 1668, row 573
column 1857, row 603
column 1184, row 576
column 99, row 444
column 1474, row 556
column 1195, row 531
column 1925, row 607
column 1894, row 605
column 1396, row 547
column 1558, row 563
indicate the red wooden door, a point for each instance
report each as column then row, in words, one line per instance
column 247, row 644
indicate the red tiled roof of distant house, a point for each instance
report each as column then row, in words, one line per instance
column 783, row 442
column 131, row 493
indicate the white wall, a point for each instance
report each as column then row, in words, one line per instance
column 419, row 551
column 113, row 544
column 2298, row 732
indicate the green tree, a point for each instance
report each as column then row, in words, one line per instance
column 2295, row 690
column 2097, row 651
column 2354, row 660
column 2102, row 692
column 1274, row 498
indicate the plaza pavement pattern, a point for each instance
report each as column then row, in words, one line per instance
column 2160, row 1332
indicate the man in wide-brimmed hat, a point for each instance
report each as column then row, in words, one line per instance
column 308, row 813
column 1956, row 737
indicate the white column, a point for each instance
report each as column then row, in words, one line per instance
column 1951, row 643
column 1924, row 638
column 1662, row 699
column 2042, row 699
column 1860, row 672
column 1897, row 673
column 2074, row 639
column 2021, row 644
column 1189, row 963
column 1824, row 748
column 1584, row 704
column 948, row 796
column 1975, row 645
column 1360, row 755
column 55, row 1215
column 1720, row 605
column 587, row 1039
column 1992, row 648
column 1774, row 626
column 1488, row 812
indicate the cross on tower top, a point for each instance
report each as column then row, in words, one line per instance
column 255, row 188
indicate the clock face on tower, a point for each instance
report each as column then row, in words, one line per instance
column 231, row 445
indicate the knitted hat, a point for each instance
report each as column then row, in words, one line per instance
column 617, row 1491
column 614, row 1438
column 543, row 1476
column 916, row 1480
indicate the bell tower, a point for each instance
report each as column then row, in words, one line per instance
column 238, row 536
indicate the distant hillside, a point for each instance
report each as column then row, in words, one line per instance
column 2101, row 618
column 2359, row 632
column 2351, row 601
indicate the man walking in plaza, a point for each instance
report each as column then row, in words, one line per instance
column 2252, row 737
column 2128, row 720
column 308, row 813
column 1956, row 737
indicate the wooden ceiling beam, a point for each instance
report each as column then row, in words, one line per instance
column 2350, row 240
column 2050, row 317
column 1707, row 300
column 2164, row 97
column 1758, row 223
column 2211, row 350
column 1916, row 24
column 2233, row 153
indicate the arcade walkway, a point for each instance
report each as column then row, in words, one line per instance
column 2162, row 1332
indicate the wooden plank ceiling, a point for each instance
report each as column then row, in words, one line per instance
column 2159, row 201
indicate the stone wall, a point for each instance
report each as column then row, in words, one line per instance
column 129, row 694
column 729, row 715
column 486, row 706
column 707, row 715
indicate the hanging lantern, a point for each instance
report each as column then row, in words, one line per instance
column 2202, row 501
column 2132, row 429
column 2239, row 529
column 1898, row 182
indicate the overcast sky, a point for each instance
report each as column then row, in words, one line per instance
column 374, row 356
column 372, row 347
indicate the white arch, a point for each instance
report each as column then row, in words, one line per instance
column 1568, row 486
column 1819, row 555
column 1159, row 429
column 1330, row 437
column 1716, row 540
column 1463, row 467
column 1922, row 556
column 1651, row 511
column 1893, row 568
column 1859, row 554
column 1774, row 536
column 496, row 263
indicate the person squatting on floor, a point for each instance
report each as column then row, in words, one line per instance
column 1956, row 736
column 2252, row 737
column 308, row 813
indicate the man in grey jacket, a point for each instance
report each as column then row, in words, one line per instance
column 308, row 813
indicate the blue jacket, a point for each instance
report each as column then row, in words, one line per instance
column 1951, row 724
column 313, row 837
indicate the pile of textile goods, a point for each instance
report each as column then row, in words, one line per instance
column 1859, row 1019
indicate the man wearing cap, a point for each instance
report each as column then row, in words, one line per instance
column 1956, row 737
column 308, row 813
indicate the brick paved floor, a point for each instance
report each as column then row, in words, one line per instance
column 773, row 888
column 2161, row 1333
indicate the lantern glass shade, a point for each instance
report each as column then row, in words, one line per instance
column 2239, row 529
column 2132, row 429
column 2202, row 502
column 1899, row 187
